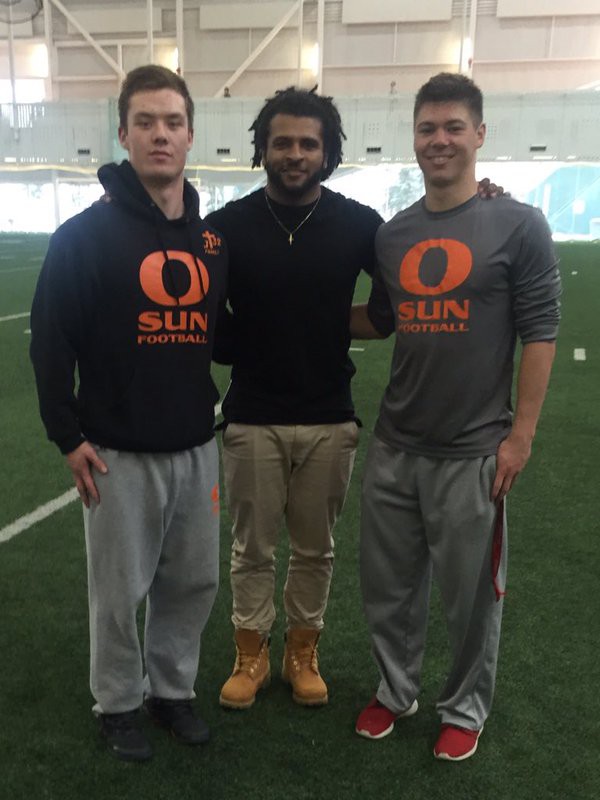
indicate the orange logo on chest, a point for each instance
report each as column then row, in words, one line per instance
column 177, row 326
column 434, row 315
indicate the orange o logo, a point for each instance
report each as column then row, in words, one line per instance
column 458, row 266
column 151, row 278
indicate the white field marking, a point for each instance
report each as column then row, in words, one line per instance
column 27, row 330
column 40, row 513
column 579, row 354
column 574, row 272
column 17, row 269
column 6, row 258
column 45, row 510
column 14, row 316
column 357, row 349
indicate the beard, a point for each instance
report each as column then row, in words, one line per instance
column 294, row 193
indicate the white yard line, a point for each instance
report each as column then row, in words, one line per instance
column 357, row 349
column 579, row 354
column 40, row 513
column 14, row 316
column 17, row 269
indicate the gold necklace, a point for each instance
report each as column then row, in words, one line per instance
column 298, row 226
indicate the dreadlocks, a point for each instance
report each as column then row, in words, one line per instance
column 301, row 103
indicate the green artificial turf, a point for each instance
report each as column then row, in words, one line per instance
column 541, row 741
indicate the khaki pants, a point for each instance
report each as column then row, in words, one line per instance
column 296, row 473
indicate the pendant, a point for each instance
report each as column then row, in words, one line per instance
column 291, row 239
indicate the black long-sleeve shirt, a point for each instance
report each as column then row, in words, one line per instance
column 291, row 306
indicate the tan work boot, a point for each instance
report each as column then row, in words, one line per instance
column 251, row 671
column 301, row 667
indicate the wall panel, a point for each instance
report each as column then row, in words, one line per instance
column 359, row 11
column 115, row 20
column 23, row 30
column 207, row 52
column 244, row 15
column 83, row 61
column 429, row 44
column 545, row 8
column 507, row 40
column 282, row 53
column 528, row 77
column 576, row 37
column 357, row 45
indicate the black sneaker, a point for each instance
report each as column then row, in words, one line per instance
column 178, row 717
column 124, row 737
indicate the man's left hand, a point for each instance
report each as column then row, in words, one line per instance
column 511, row 458
column 488, row 190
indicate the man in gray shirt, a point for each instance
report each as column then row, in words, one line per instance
column 458, row 280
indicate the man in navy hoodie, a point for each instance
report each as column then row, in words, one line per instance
column 129, row 295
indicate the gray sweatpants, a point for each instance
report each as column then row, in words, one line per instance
column 422, row 515
column 153, row 536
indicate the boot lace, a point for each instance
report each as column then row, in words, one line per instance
column 305, row 658
column 248, row 662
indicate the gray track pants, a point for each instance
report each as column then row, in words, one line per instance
column 421, row 515
column 154, row 536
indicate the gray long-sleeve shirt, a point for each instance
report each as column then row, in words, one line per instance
column 458, row 287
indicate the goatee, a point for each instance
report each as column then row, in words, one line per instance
column 291, row 192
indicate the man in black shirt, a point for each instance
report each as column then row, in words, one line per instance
column 296, row 249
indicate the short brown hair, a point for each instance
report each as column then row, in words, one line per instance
column 450, row 87
column 148, row 79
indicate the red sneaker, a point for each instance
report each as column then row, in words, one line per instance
column 376, row 721
column 455, row 744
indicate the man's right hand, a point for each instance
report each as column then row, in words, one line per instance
column 361, row 326
column 81, row 460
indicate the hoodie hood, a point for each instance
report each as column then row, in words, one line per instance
column 121, row 182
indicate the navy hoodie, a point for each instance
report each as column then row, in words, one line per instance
column 132, row 300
